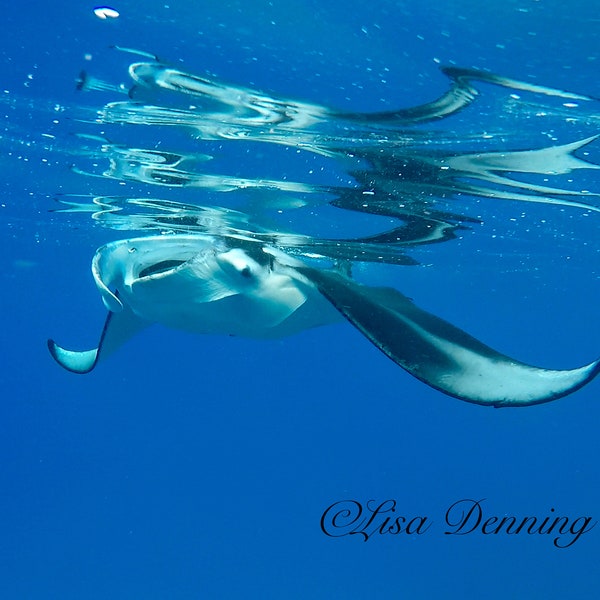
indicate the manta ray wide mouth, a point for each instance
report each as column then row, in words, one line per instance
column 160, row 267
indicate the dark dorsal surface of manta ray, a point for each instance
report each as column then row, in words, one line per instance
column 204, row 284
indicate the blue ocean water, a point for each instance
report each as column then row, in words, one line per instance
column 201, row 467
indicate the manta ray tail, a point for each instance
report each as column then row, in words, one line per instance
column 118, row 328
column 440, row 354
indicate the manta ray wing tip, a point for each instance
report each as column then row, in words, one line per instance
column 580, row 377
column 71, row 360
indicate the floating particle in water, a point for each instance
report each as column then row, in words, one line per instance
column 23, row 263
column 105, row 12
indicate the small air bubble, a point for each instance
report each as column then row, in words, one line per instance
column 105, row 12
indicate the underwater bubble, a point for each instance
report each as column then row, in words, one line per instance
column 105, row 12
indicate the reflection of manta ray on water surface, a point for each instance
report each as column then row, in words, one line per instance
column 221, row 272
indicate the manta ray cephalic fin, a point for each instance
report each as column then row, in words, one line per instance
column 440, row 354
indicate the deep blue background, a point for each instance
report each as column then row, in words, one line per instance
column 194, row 467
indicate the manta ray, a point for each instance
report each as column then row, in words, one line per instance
column 212, row 285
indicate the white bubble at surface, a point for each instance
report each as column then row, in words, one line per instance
column 106, row 12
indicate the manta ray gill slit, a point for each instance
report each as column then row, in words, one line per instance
column 160, row 267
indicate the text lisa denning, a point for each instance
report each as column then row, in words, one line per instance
column 463, row 517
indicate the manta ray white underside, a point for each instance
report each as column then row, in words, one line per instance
column 202, row 284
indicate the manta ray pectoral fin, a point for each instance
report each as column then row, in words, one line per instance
column 440, row 354
column 73, row 360
column 461, row 93
column 118, row 328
